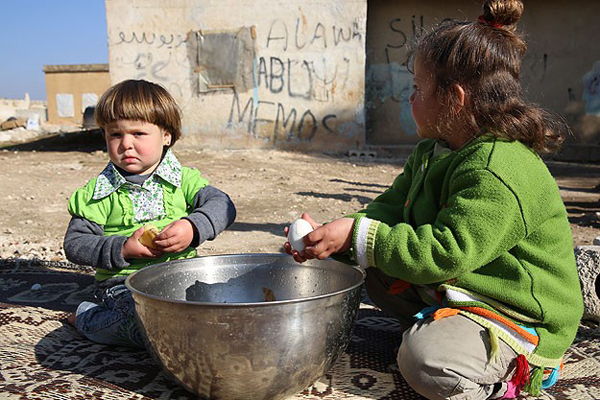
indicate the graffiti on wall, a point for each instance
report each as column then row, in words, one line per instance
column 290, row 124
column 302, row 64
column 171, row 41
column 393, row 83
column 303, row 36
column 154, row 58
column 538, row 66
column 301, row 67
column 314, row 80
column 591, row 90
column 401, row 36
column 390, row 84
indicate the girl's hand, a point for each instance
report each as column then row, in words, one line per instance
column 299, row 257
column 132, row 248
column 333, row 237
column 175, row 237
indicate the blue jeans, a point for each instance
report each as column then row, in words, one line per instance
column 112, row 321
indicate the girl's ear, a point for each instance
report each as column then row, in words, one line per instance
column 458, row 95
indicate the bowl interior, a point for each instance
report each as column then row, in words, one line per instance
column 244, row 278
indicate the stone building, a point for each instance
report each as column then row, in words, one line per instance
column 70, row 89
column 330, row 75
column 22, row 109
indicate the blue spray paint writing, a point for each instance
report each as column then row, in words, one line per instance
column 591, row 90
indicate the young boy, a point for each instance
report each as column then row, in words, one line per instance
column 143, row 183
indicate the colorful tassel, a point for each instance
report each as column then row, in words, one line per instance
column 512, row 392
column 426, row 312
column 551, row 379
column 444, row 312
column 521, row 376
column 398, row 287
column 535, row 382
column 494, row 347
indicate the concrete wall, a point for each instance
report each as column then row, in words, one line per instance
column 80, row 83
column 561, row 70
column 250, row 73
column 330, row 76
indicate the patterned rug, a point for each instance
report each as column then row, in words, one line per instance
column 41, row 357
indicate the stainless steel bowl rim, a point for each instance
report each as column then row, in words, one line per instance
column 232, row 304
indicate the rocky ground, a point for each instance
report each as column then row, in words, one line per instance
column 270, row 189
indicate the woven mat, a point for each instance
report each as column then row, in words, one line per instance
column 41, row 357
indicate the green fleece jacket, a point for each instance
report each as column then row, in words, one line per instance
column 486, row 220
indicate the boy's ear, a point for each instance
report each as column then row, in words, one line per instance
column 166, row 138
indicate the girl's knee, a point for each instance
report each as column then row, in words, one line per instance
column 429, row 375
column 449, row 359
column 419, row 370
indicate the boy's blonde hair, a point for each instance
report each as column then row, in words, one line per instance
column 140, row 100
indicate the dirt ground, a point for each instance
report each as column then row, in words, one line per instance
column 270, row 189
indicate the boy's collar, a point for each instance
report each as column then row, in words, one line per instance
column 169, row 169
column 109, row 180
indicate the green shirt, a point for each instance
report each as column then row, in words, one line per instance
column 487, row 220
column 113, row 209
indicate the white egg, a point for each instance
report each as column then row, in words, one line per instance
column 298, row 229
column 36, row 286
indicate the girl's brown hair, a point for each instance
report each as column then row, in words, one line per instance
column 139, row 100
column 484, row 57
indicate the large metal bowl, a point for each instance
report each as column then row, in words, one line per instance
column 207, row 323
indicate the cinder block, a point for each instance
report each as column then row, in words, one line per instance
column 588, row 266
column 362, row 155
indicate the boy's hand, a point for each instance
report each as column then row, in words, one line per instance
column 175, row 237
column 132, row 248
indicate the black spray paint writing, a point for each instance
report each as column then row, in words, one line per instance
column 395, row 50
column 310, row 80
column 290, row 124
column 320, row 35
column 170, row 40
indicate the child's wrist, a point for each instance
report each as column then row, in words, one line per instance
column 125, row 250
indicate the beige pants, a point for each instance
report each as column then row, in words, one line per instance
column 443, row 359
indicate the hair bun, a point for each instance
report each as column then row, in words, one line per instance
column 503, row 12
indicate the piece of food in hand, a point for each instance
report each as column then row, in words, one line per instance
column 269, row 295
column 147, row 238
column 298, row 229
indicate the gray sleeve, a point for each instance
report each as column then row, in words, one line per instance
column 85, row 244
column 213, row 213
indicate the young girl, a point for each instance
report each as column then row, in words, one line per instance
column 143, row 183
column 472, row 238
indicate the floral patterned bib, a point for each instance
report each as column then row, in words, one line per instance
column 147, row 198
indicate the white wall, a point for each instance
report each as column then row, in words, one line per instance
column 306, row 79
column 19, row 107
